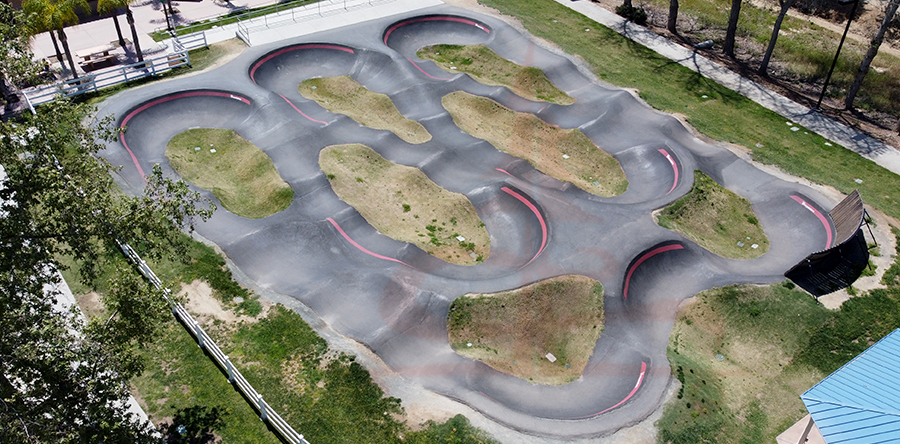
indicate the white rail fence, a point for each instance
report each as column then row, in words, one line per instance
column 242, row 32
column 190, row 41
column 221, row 359
column 123, row 74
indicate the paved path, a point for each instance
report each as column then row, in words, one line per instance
column 312, row 18
column 394, row 297
column 867, row 146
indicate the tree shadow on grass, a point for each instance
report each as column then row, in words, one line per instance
column 194, row 425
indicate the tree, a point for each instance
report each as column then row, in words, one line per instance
column 64, row 380
column 61, row 379
column 871, row 53
column 55, row 15
column 785, row 6
column 730, row 32
column 16, row 62
column 106, row 6
column 672, row 25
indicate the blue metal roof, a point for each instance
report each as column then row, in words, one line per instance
column 860, row 402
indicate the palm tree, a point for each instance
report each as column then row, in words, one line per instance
column 55, row 15
column 35, row 26
column 105, row 6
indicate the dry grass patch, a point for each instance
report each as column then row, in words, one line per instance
column 716, row 219
column 541, row 144
column 485, row 66
column 404, row 204
column 343, row 95
column 240, row 175
column 513, row 331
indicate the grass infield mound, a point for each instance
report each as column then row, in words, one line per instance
column 343, row 95
column 716, row 219
column 241, row 176
column 404, row 204
column 565, row 154
column 486, row 67
column 514, row 331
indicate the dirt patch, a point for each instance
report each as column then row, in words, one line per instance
column 543, row 333
column 206, row 308
column 343, row 95
column 225, row 52
column 292, row 372
column 565, row 154
column 91, row 304
column 404, row 204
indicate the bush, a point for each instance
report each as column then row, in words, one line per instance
column 634, row 13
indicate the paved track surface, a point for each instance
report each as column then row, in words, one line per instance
column 392, row 296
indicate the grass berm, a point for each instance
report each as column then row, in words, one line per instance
column 404, row 204
column 241, row 176
column 514, row 331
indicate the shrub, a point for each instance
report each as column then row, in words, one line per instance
column 634, row 13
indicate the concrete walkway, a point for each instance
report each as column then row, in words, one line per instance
column 315, row 17
column 863, row 144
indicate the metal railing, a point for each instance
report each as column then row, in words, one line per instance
column 189, row 41
column 221, row 359
column 209, row 22
column 109, row 77
column 243, row 33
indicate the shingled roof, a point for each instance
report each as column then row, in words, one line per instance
column 860, row 402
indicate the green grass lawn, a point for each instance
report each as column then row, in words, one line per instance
column 322, row 394
column 775, row 342
column 240, row 175
column 200, row 261
column 179, row 376
column 716, row 219
column 485, row 66
column 752, row 393
column 723, row 115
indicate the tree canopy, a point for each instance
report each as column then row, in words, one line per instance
column 63, row 379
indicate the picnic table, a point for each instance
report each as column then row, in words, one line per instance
column 96, row 57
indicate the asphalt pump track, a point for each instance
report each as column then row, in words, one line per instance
column 394, row 297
